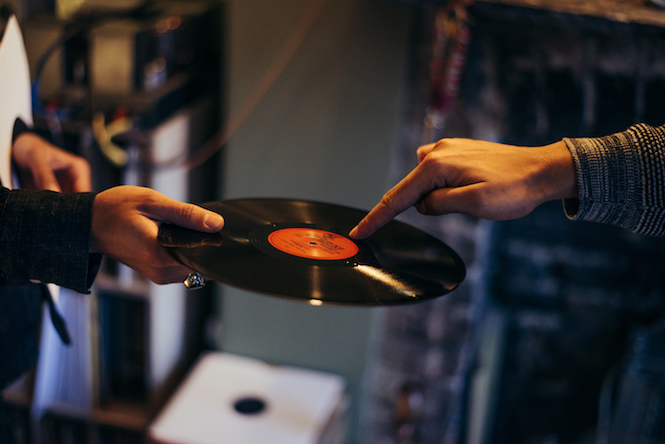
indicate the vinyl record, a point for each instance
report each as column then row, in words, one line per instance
column 300, row 249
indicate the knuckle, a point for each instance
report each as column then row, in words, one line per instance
column 187, row 211
column 442, row 144
column 388, row 201
column 432, row 160
column 149, row 198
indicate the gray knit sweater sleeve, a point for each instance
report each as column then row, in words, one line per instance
column 621, row 179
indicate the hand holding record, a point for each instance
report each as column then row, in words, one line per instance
column 300, row 250
column 125, row 226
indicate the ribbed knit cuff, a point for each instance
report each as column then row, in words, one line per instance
column 620, row 179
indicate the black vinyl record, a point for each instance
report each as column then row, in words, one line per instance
column 300, row 249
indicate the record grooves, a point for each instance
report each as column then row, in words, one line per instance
column 300, row 250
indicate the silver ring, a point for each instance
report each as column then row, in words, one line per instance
column 194, row 281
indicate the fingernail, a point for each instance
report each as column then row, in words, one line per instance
column 353, row 232
column 213, row 221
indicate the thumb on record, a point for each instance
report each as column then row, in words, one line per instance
column 189, row 216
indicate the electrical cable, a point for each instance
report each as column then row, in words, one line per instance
column 194, row 158
column 215, row 143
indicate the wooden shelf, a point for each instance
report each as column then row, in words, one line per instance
column 628, row 11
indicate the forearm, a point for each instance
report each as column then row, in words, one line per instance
column 620, row 179
column 45, row 236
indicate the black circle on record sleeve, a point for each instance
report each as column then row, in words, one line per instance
column 249, row 405
column 398, row 264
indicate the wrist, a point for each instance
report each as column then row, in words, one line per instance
column 559, row 178
column 99, row 220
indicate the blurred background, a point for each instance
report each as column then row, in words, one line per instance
column 554, row 337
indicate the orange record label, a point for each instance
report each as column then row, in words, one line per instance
column 312, row 243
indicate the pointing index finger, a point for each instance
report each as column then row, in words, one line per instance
column 380, row 215
column 401, row 197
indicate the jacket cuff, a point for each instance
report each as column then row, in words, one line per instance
column 45, row 236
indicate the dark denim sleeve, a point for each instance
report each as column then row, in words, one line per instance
column 20, row 319
column 45, row 236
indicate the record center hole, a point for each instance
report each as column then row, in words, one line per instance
column 249, row 406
